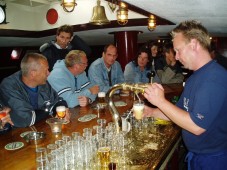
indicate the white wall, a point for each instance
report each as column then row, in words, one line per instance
column 34, row 18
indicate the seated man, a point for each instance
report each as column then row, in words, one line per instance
column 222, row 60
column 28, row 94
column 168, row 69
column 65, row 42
column 69, row 79
column 106, row 71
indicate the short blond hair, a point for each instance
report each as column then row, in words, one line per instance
column 193, row 30
column 74, row 57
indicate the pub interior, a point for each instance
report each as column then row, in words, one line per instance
column 155, row 144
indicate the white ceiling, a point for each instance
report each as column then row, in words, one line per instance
column 212, row 14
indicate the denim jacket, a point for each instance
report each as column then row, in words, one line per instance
column 98, row 74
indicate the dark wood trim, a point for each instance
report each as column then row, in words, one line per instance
column 81, row 27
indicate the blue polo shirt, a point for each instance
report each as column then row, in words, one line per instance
column 205, row 98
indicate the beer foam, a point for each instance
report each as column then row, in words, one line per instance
column 101, row 94
column 60, row 108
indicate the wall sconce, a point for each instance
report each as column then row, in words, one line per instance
column 68, row 5
column 151, row 23
column 122, row 14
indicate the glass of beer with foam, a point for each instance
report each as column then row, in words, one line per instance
column 104, row 153
column 61, row 111
column 138, row 107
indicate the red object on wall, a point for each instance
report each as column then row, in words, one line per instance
column 52, row 16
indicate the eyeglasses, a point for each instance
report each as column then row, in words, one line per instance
column 85, row 64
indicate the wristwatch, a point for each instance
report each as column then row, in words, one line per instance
column 2, row 14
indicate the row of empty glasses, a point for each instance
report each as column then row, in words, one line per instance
column 97, row 148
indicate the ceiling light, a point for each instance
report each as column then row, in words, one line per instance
column 99, row 15
column 122, row 14
column 68, row 5
column 152, row 23
column 112, row 4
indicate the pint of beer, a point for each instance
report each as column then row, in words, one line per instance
column 101, row 97
column 104, row 156
column 61, row 111
column 138, row 108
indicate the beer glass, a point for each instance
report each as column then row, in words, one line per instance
column 138, row 107
column 103, row 153
column 2, row 114
column 61, row 111
column 101, row 98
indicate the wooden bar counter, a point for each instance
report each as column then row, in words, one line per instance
column 24, row 158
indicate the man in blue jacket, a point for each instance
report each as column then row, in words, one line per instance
column 106, row 71
column 28, row 94
column 69, row 79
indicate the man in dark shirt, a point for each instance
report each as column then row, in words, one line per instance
column 65, row 42
column 217, row 56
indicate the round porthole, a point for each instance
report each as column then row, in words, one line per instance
column 52, row 16
column 2, row 14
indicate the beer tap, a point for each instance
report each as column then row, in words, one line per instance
column 136, row 88
column 150, row 76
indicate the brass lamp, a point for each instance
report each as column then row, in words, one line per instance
column 68, row 5
column 99, row 15
column 122, row 14
column 151, row 23
column 112, row 4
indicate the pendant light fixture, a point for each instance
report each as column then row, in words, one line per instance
column 68, row 5
column 151, row 23
column 122, row 14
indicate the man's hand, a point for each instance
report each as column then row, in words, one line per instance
column 94, row 89
column 68, row 115
column 83, row 101
column 155, row 94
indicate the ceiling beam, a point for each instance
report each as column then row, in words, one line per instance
column 159, row 20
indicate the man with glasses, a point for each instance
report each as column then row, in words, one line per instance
column 69, row 79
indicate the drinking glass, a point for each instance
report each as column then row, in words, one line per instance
column 55, row 125
column 101, row 97
column 101, row 122
column 138, row 107
column 61, row 111
column 87, row 133
column 75, row 135
column 2, row 114
column 103, row 153
column 41, row 159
